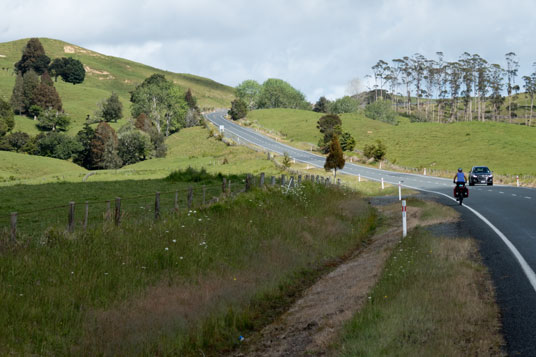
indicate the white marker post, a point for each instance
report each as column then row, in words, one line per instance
column 517, row 179
column 424, row 171
column 399, row 191
column 222, row 129
column 358, row 177
column 383, row 186
column 380, row 165
column 404, row 225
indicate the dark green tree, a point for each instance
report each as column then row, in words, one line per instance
column 7, row 120
column 33, row 58
column 335, row 159
column 84, row 137
column 190, row 99
column 112, row 109
column 53, row 120
column 73, row 71
column 17, row 96
column 57, row 67
column 239, row 109
column 322, row 105
column 30, row 82
column 57, row 145
column 18, row 140
column 347, row 141
column 328, row 125
column 377, row 151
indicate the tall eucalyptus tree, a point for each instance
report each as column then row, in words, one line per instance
column 512, row 66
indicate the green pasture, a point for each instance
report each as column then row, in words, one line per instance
column 507, row 149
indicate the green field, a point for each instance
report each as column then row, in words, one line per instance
column 506, row 149
column 188, row 283
column 106, row 74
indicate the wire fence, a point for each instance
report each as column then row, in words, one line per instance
column 82, row 215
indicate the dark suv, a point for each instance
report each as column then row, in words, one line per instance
column 480, row 174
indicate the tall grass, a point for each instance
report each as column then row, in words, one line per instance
column 184, row 284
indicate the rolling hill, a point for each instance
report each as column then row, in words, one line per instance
column 104, row 75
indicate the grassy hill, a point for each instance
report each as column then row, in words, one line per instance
column 104, row 75
column 506, row 149
column 21, row 166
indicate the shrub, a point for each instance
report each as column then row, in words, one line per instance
column 239, row 109
column 381, row 110
column 377, row 151
column 193, row 175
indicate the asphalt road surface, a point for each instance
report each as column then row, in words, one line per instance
column 501, row 218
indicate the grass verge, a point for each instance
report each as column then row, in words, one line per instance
column 434, row 298
column 186, row 285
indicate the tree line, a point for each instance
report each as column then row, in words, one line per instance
column 470, row 88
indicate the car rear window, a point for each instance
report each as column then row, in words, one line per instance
column 481, row 170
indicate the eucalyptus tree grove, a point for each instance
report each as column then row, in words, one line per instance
column 469, row 88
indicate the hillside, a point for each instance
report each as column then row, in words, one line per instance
column 21, row 167
column 506, row 149
column 104, row 75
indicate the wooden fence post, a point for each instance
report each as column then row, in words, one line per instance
column 299, row 180
column 272, row 181
column 70, row 225
column 204, row 194
column 86, row 215
column 282, row 180
column 339, row 182
column 190, row 197
column 248, row 182
column 117, row 215
column 108, row 214
column 291, row 181
column 229, row 188
column 176, row 203
column 157, row 205
column 13, row 226
column 261, row 183
column 317, row 179
column 223, row 185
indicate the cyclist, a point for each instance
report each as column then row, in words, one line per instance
column 459, row 178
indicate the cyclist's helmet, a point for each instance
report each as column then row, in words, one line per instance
column 460, row 169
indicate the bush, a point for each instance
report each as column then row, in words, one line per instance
column 347, row 141
column 344, row 105
column 381, row 110
column 57, row 145
column 377, row 151
column 193, row 175
column 239, row 109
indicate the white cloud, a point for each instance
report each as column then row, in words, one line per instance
column 316, row 45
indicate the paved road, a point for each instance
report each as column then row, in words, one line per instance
column 502, row 218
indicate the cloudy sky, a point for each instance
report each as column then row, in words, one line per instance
column 316, row 45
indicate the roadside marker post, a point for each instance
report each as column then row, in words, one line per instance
column 425, row 171
column 517, row 179
column 399, row 191
column 404, row 224
column 222, row 129
column 359, row 178
column 383, row 186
